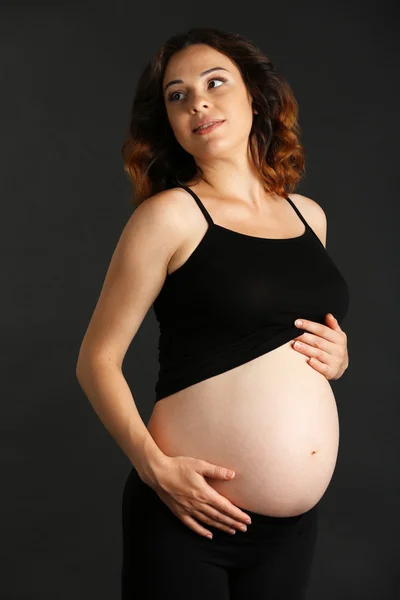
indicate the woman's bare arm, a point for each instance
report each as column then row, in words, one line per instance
column 134, row 278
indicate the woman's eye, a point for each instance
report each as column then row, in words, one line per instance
column 172, row 96
column 217, row 80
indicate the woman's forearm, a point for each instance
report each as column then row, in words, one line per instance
column 110, row 396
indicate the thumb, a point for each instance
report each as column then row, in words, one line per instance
column 215, row 471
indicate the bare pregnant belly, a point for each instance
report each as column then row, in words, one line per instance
column 273, row 420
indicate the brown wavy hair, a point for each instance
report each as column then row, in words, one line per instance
column 155, row 161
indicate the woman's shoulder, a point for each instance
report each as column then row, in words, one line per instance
column 313, row 213
column 163, row 201
column 164, row 208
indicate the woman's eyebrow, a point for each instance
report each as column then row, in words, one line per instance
column 201, row 75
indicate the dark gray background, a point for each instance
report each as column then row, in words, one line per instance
column 68, row 75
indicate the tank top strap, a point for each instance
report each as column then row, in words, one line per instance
column 297, row 211
column 199, row 203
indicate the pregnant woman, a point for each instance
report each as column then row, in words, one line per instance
column 229, row 260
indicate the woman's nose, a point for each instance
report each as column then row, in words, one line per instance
column 198, row 103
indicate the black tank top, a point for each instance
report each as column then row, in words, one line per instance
column 236, row 297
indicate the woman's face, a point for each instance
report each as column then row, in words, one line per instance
column 218, row 94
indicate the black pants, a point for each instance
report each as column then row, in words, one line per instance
column 163, row 558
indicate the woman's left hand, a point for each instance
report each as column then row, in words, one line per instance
column 326, row 346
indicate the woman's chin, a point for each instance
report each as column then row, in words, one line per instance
column 213, row 149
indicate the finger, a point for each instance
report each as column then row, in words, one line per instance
column 320, row 366
column 309, row 350
column 308, row 341
column 335, row 323
column 221, row 518
column 226, row 507
column 217, row 522
column 195, row 526
column 319, row 329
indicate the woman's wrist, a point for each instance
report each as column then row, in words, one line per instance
column 151, row 462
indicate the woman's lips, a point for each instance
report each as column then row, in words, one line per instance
column 206, row 130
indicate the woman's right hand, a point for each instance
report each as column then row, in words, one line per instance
column 181, row 485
